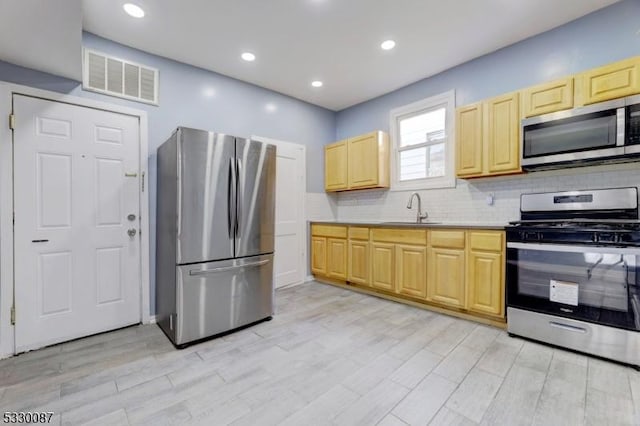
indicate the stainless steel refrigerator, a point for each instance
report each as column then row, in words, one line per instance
column 215, row 234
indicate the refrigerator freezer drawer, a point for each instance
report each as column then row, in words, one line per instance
column 215, row 297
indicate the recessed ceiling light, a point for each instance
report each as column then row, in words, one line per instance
column 388, row 44
column 133, row 10
column 248, row 56
column 317, row 83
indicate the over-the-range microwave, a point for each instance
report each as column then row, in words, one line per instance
column 607, row 132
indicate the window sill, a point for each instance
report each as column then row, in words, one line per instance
column 442, row 183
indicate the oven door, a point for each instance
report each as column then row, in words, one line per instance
column 588, row 283
column 582, row 134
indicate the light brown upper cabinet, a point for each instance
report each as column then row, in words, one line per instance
column 611, row 81
column 357, row 163
column 548, row 97
column 469, row 144
column 335, row 166
column 502, row 139
column 488, row 137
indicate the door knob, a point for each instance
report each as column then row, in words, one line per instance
column 131, row 217
column 132, row 232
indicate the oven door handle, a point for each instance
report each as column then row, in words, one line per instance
column 577, row 248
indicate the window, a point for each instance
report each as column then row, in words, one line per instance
column 422, row 140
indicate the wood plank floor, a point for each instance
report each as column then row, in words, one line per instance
column 330, row 356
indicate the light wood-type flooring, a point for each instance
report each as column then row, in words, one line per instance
column 330, row 356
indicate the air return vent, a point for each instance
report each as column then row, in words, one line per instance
column 117, row 77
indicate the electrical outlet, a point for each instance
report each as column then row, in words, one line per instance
column 489, row 199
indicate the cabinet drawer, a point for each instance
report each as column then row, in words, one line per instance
column 447, row 238
column 402, row 236
column 486, row 240
column 329, row 231
column 356, row 233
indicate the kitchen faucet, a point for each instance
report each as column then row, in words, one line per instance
column 420, row 216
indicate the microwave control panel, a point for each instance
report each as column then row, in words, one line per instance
column 633, row 125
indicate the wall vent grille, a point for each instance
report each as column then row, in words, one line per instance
column 117, row 77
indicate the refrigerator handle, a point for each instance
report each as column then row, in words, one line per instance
column 196, row 272
column 231, row 188
column 239, row 196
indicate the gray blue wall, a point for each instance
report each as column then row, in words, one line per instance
column 604, row 36
column 194, row 97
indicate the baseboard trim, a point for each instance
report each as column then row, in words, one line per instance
column 152, row 319
column 428, row 307
column 309, row 278
column 290, row 285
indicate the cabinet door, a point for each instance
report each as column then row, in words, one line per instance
column 610, row 81
column 363, row 161
column 319, row 255
column 335, row 166
column 469, row 140
column 337, row 258
column 446, row 277
column 485, row 283
column 358, row 263
column 548, row 97
column 383, row 266
column 502, row 140
column 411, row 270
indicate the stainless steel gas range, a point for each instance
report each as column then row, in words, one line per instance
column 573, row 265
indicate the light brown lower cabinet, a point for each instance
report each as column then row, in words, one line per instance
column 411, row 270
column 446, row 277
column 319, row 255
column 358, row 262
column 451, row 268
column 329, row 251
column 485, row 272
column 485, row 290
column 383, row 266
column 337, row 258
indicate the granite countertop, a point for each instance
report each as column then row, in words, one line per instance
column 407, row 224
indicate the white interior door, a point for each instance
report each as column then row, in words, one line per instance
column 77, row 269
column 289, row 259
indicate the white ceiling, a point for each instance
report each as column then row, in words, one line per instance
column 43, row 35
column 336, row 41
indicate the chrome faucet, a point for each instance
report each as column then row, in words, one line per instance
column 420, row 216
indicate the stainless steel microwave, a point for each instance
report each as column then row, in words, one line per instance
column 608, row 132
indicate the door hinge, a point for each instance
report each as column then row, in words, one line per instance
column 13, row 315
column 12, row 121
column 142, row 181
column 13, row 218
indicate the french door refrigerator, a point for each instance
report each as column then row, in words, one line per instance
column 215, row 234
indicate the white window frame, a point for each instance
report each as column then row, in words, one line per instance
column 447, row 100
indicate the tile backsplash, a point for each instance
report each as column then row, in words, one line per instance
column 467, row 202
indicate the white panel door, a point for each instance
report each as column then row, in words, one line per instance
column 77, row 270
column 289, row 260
